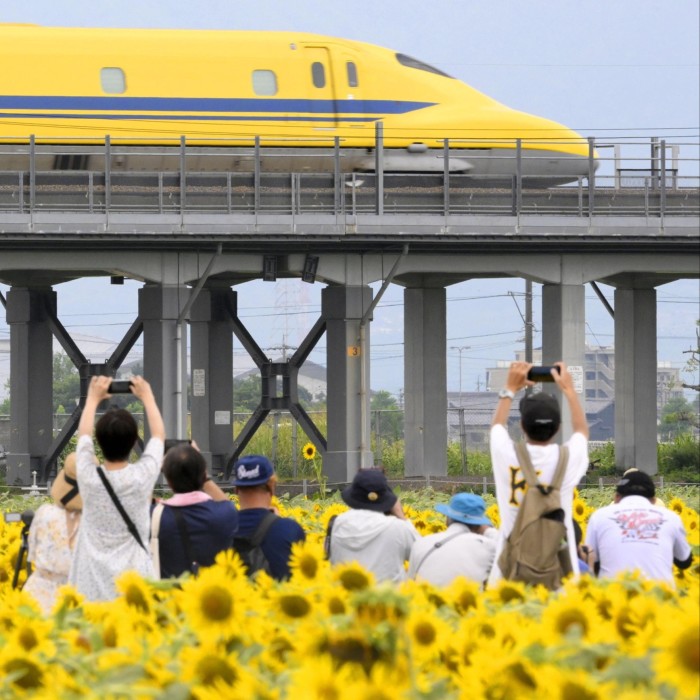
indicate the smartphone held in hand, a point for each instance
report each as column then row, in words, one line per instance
column 542, row 374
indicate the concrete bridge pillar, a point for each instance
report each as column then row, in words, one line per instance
column 159, row 308
column 635, row 378
column 212, row 373
column 425, row 381
column 31, row 381
column 348, row 395
column 564, row 338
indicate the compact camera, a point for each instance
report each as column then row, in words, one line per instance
column 542, row 374
column 120, row 387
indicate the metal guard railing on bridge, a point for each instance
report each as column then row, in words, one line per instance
column 653, row 191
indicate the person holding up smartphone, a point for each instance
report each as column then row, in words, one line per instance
column 540, row 420
column 375, row 531
column 113, row 535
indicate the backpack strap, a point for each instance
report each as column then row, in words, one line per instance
column 526, row 464
column 155, row 535
column 327, row 540
column 261, row 531
column 129, row 522
column 193, row 565
column 529, row 471
column 561, row 467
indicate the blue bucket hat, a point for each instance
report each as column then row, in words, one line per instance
column 252, row 470
column 467, row 508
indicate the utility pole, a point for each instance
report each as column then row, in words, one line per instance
column 459, row 349
column 528, row 320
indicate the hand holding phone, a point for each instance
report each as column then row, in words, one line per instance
column 542, row 374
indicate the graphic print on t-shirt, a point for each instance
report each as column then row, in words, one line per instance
column 639, row 525
column 518, row 486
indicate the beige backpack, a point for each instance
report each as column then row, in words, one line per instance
column 536, row 551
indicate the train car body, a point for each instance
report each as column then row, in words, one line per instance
column 297, row 93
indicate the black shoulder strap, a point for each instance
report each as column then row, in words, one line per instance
column 129, row 523
column 327, row 540
column 185, row 537
column 265, row 524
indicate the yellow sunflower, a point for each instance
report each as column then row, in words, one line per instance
column 571, row 617
column 320, row 679
column 353, row 577
column 677, row 661
column 135, row 592
column 308, row 451
column 427, row 634
column 210, row 665
column 33, row 636
column 212, row 603
column 677, row 506
column 691, row 523
column 22, row 671
column 292, row 605
column 307, row 560
column 464, row 595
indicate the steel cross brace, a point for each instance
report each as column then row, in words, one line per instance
column 269, row 372
column 86, row 370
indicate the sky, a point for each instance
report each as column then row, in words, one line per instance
column 623, row 71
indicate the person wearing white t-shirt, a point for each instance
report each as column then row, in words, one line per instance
column 540, row 421
column 634, row 533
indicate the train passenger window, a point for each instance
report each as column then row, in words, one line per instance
column 352, row 74
column 405, row 60
column 318, row 74
column 264, row 82
column 113, row 81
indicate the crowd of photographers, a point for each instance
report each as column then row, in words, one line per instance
column 104, row 519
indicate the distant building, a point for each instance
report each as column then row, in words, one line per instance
column 599, row 375
column 477, row 408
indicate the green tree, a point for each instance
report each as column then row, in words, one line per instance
column 66, row 382
column 247, row 393
column 678, row 417
column 693, row 364
column 387, row 416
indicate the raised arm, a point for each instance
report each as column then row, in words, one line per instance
column 142, row 390
column 566, row 384
column 98, row 391
column 515, row 381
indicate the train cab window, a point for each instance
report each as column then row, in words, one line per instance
column 318, row 74
column 405, row 60
column 264, row 82
column 352, row 74
column 113, row 81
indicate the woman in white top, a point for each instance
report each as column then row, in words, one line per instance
column 106, row 546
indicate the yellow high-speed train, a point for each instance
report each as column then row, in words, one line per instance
column 70, row 88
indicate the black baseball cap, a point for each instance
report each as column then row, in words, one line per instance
column 540, row 415
column 636, row 483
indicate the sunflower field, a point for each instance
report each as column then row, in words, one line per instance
column 332, row 633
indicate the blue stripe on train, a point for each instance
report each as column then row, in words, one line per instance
column 190, row 117
column 208, row 104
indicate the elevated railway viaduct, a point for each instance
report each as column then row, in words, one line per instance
column 194, row 239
